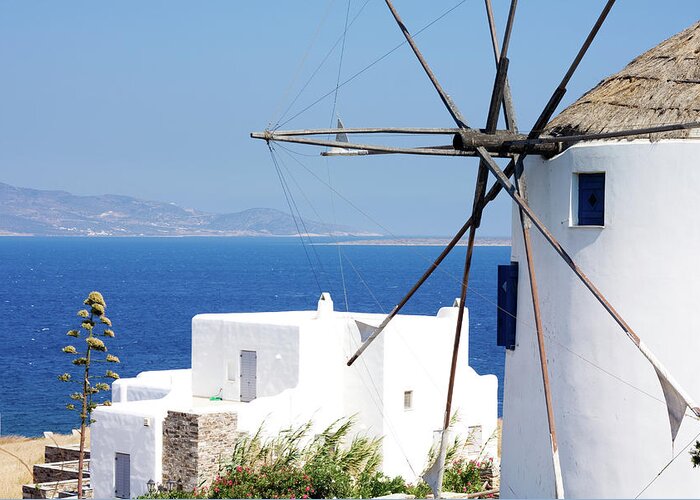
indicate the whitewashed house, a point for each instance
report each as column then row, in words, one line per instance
column 628, row 213
column 284, row 369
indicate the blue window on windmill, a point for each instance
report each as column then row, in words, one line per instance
column 506, row 318
column 591, row 199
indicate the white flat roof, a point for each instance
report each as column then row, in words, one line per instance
column 298, row 317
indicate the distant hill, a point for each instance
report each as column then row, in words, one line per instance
column 59, row 213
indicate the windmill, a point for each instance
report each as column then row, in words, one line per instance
column 486, row 144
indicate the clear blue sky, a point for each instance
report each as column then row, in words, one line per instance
column 156, row 99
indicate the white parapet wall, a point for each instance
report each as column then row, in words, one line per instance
column 152, row 385
column 613, row 428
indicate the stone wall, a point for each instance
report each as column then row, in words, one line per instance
column 62, row 453
column 56, row 489
column 195, row 444
column 59, row 471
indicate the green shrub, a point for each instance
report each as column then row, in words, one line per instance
column 464, row 476
column 295, row 465
column 377, row 484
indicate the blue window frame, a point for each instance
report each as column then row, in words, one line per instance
column 507, row 305
column 591, row 199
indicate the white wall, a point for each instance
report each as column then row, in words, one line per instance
column 417, row 358
column 412, row 354
column 363, row 382
column 151, row 385
column 114, row 432
column 120, row 428
column 315, row 393
column 217, row 340
column 614, row 438
column 302, row 375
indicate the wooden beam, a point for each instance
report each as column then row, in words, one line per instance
column 657, row 129
column 544, row 369
column 504, row 143
column 367, row 130
column 430, row 151
column 508, row 110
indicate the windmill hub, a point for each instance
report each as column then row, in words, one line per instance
column 503, row 143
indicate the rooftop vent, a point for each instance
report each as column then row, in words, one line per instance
column 325, row 304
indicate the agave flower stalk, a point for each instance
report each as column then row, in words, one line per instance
column 92, row 319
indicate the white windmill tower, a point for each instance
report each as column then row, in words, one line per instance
column 587, row 158
column 628, row 212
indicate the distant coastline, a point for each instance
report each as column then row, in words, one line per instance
column 221, row 234
column 420, row 242
column 36, row 212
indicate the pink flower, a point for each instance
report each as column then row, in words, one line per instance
column 307, row 488
column 239, row 469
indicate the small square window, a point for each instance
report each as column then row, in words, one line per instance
column 408, row 400
column 591, row 199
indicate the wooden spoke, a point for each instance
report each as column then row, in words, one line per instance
column 446, row 99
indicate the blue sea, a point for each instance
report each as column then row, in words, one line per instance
column 153, row 287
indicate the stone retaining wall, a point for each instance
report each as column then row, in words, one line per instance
column 55, row 489
column 59, row 471
column 62, row 453
column 194, row 446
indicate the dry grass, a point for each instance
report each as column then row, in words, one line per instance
column 500, row 435
column 660, row 87
column 18, row 455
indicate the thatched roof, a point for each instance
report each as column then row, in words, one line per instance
column 660, row 87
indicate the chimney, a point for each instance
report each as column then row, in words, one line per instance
column 325, row 305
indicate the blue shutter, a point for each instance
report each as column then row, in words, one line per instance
column 591, row 199
column 507, row 305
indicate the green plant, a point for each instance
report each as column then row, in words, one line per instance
column 462, row 475
column 377, row 484
column 292, row 465
column 92, row 320
column 465, row 476
column 296, row 465
column 419, row 490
